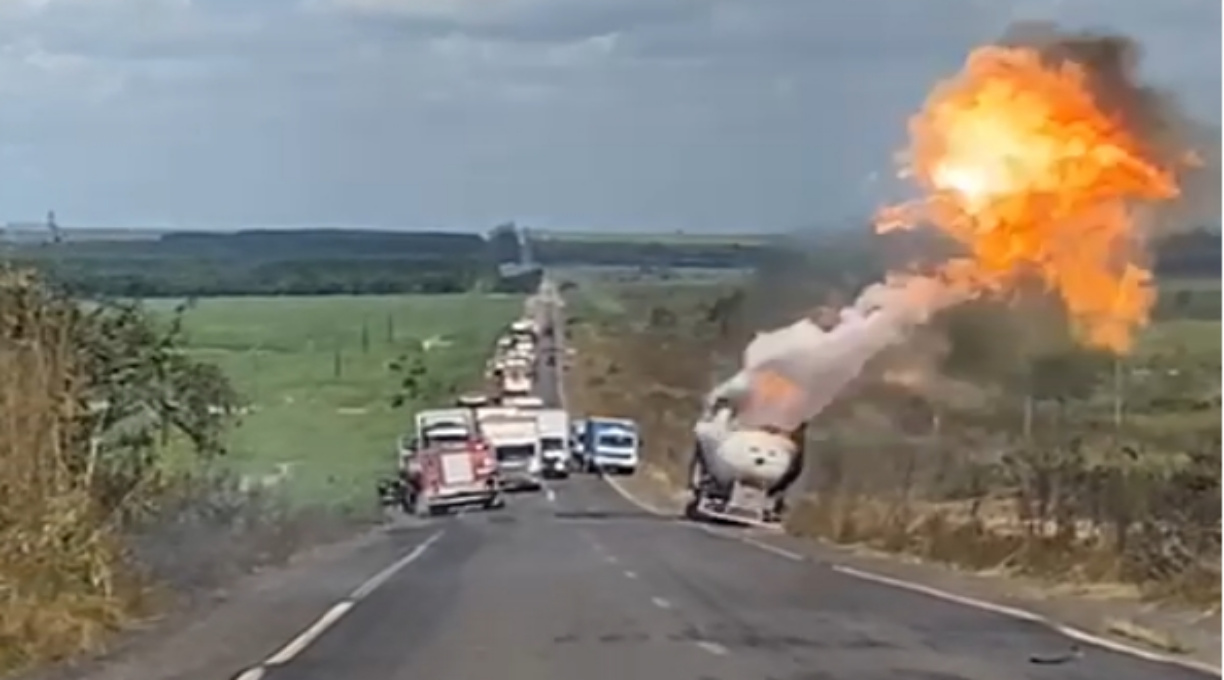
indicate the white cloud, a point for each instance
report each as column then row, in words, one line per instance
column 673, row 113
column 477, row 11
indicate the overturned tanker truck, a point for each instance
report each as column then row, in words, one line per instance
column 750, row 438
column 749, row 444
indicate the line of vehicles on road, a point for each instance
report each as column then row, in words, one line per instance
column 484, row 446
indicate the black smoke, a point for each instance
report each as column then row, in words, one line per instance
column 1168, row 136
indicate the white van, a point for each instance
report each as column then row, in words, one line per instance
column 554, row 428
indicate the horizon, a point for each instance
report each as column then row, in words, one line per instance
column 36, row 226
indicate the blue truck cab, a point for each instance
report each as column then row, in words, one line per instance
column 612, row 445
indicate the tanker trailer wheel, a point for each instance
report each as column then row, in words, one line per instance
column 697, row 474
column 776, row 510
column 697, row 477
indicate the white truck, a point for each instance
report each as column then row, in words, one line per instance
column 526, row 402
column 554, row 428
column 524, row 328
column 514, row 437
column 456, row 422
column 516, row 378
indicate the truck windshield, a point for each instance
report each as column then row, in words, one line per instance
column 446, row 438
column 553, row 444
column 515, row 451
column 616, row 441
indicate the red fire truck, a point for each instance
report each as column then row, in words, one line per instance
column 446, row 465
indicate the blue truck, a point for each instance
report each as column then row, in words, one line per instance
column 610, row 445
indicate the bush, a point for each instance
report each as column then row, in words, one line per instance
column 91, row 403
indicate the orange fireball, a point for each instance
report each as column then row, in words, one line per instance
column 1019, row 163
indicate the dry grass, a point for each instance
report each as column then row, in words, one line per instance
column 1047, row 511
column 62, row 577
column 1147, row 636
column 601, row 382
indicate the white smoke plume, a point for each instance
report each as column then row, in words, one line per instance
column 823, row 363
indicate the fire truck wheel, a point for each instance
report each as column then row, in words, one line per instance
column 420, row 507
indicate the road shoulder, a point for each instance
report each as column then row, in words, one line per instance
column 1099, row 611
column 220, row 636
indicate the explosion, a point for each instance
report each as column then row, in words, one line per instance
column 1045, row 160
column 1020, row 162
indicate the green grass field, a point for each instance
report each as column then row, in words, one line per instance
column 320, row 394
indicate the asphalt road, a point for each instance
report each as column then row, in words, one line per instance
column 586, row 586
column 577, row 583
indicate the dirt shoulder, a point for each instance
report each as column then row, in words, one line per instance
column 226, row 631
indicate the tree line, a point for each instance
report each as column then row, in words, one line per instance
column 333, row 261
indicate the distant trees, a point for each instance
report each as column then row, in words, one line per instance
column 327, row 262
column 649, row 254
column 298, row 262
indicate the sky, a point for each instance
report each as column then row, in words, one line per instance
column 718, row 115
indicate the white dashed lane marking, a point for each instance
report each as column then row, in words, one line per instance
column 712, row 647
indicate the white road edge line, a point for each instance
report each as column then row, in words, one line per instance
column 660, row 603
column 550, row 494
column 306, row 637
column 381, row 577
column 616, row 486
column 762, row 545
column 712, row 647
column 329, row 618
column 1069, row 631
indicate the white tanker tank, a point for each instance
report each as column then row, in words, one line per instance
column 750, row 438
column 740, row 471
